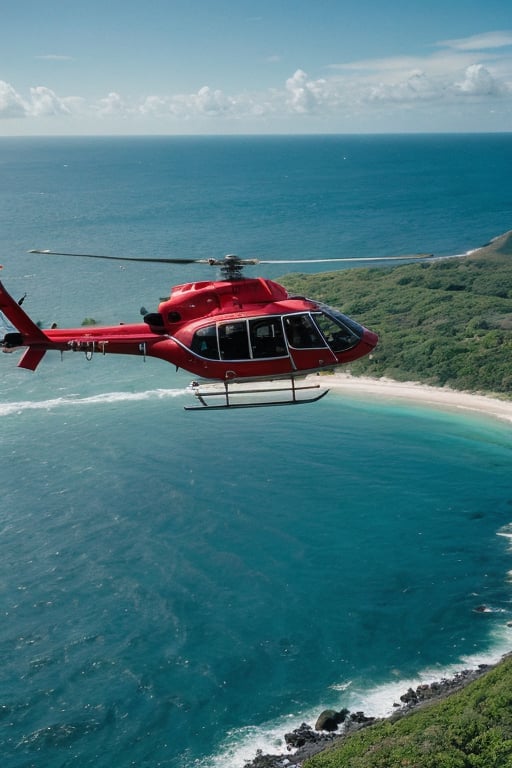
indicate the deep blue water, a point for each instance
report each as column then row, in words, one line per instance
column 178, row 589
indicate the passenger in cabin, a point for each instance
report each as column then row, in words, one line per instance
column 301, row 333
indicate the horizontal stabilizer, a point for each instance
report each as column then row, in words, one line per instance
column 31, row 358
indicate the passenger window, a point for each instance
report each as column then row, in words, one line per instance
column 234, row 341
column 205, row 344
column 267, row 339
column 302, row 333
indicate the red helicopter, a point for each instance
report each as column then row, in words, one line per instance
column 233, row 330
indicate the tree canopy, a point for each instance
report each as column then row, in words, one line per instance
column 440, row 322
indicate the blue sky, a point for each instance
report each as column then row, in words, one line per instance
column 273, row 66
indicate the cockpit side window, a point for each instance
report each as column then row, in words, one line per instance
column 339, row 334
column 302, row 333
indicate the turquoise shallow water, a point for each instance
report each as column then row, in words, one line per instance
column 160, row 592
column 178, row 589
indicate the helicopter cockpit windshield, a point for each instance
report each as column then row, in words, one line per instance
column 340, row 331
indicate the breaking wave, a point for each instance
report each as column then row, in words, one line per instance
column 15, row 408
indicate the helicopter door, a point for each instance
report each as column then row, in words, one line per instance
column 306, row 344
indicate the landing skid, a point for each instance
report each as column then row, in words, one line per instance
column 237, row 396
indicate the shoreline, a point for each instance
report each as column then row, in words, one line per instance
column 307, row 741
column 442, row 398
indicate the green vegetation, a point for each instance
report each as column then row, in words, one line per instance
column 446, row 322
column 469, row 729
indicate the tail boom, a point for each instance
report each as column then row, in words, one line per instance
column 136, row 339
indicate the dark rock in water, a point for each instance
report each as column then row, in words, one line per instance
column 409, row 697
column 361, row 718
column 437, row 689
column 306, row 741
column 266, row 761
column 304, row 734
column 329, row 719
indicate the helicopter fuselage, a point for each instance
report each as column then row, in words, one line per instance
column 244, row 329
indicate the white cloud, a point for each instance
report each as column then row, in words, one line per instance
column 11, row 103
column 211, row 102
column 42, row 102
column 445, row 68
column 154, row 106
column 112, row 104
column 478, row 81
column 45, row 103
column 442, row 64
column 54, row 57
column 464, row 69
column 304, row 95
column 206, row 101
column 392, row 86
column 413, row 88
column 485, row 41
column 463, row 72
column 300, row 92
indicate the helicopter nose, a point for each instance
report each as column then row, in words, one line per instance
column 370, row 339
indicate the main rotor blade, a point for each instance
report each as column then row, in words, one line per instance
column 123, row 258
column 411, row 257
column 235, row 260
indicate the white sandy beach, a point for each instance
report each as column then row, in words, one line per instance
column 439, row 397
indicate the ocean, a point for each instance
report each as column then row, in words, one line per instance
column 180, row 589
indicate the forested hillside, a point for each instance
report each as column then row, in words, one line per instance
column 445, row 322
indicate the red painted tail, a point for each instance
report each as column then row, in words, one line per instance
column 30, row 335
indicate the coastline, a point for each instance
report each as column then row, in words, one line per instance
column 307, row 741
column 442, row 398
